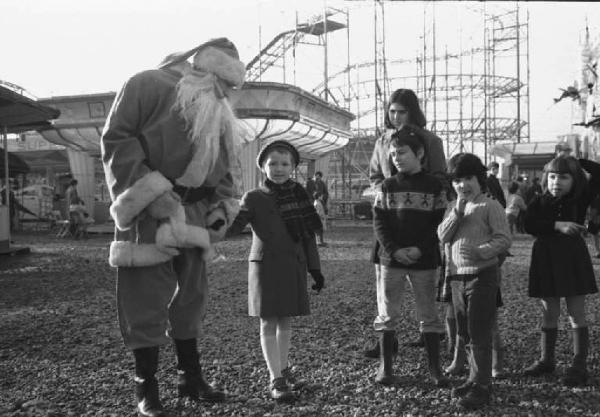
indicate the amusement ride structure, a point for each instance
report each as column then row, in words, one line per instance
column 472, row 76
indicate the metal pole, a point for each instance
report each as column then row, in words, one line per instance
column 325, row 65
column 6, row 180
column 447, row 107
column 376, row 69
column 528, row 84
column 348, row 58
column 486, row 59
column 425, row 60
column 433, row 79
column 518, row 78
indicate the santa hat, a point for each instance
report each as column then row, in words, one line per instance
column 219, row 56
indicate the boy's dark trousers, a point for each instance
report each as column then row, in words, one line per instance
column 474, row 299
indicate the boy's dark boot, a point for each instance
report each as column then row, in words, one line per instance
column 476, row 397
column 546, row 364
column 385, row 374
column 577, row 374
column 190, row 381
column 373, row 352
column 450, row 335
column 146, row 385
column 457, row 366
column 432, row 349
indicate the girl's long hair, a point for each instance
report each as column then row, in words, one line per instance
column 567, row 165
column 407, row 98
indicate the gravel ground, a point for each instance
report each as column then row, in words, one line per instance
column 61, row 352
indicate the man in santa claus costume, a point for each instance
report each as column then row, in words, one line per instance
column 169, row 149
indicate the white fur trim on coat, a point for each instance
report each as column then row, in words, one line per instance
column 180, row 235
column 225, row 67
column 136, row 198
column 131, row 254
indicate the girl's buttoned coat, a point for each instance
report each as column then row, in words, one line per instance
column 277, row 264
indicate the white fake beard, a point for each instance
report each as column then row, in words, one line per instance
column 207, row 118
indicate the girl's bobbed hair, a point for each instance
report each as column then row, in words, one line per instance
column 567, row 165
column 464, row 165
column 407, row 98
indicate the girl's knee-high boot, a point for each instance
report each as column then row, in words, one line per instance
column 385, row 374
column 432, row 348
column 190, row 381
column 547, row 363
column 577, row 373
column 146, row 385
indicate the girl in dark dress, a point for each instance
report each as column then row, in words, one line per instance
column 560, row 262
column 284, row 223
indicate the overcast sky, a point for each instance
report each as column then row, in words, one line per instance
column 68, row 47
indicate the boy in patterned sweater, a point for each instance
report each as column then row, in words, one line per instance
column 407, row 211
column 474, row 233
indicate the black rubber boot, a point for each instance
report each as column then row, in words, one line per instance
column 577, row 374
column 476, row 397
column 373, row 352
column 385, row 374
column 190, row 381
column 146, row 385
column 432, row 348
column 547, row 363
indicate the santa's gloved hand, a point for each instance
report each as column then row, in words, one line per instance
column 318, row 278
column 216, row 224
column 164, row 206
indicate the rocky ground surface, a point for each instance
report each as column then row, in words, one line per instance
column 61, row 352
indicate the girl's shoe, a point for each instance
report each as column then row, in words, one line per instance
column 292, row 379
column 280, row 390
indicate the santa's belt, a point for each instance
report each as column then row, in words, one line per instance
column 193, row 194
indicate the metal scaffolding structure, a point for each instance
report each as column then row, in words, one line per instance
column 474, row 92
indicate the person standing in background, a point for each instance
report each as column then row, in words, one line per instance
column 493, row 184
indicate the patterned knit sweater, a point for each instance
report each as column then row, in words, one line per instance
column 483, row 226
column 406, row 213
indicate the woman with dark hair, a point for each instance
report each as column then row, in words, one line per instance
column 402, row 110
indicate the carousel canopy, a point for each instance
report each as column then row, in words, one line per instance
column 19, row 113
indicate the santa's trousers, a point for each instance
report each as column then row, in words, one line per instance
column 160, row 302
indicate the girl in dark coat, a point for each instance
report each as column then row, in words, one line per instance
column 284, row 223
column 560, row 262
